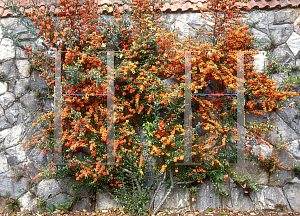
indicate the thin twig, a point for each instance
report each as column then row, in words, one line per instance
column 134, row 178
column 166, row 196
column 158, row 188
column 113, row 196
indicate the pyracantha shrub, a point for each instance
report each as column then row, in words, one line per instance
column 145, row 53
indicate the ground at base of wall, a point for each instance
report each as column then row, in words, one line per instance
column 209, row 212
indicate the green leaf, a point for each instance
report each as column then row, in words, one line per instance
column 223, row 213
column 208, row 210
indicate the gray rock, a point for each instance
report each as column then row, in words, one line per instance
column 293, row 43
column 3, row 162
column 21, row 87
column 37, row 82
column 66, row 187
column 8, row 70
column 255, row 171
column 195, row 20
column 11, row 137
column 7, row 50
column 284, row 55
column 59, row 200
column 292, row 191
column 260, row 19
column 297, row 25
column 47, row 188
column 184, row 29
column 9, row 21
column 262, row 41
column 169, row 81
column 48, row 105
column 15, row 186
column 4, row 123
column 23, row 68
column 283, row 175
column 294, row 149
column 13, row 113
column 28, row 202
column 280, row 33
column 16, row 155
column 105, row 201
column 207, row 197
column 238, row 200
column 168, row 18
column 265, row 150
column 28, row 170
column 29, row 101
column 7, row 99
column 3, row 87
column 177, row 199
column 1, row 33
column 11, row 85
column 38, row 157
column 288, row 113
column 84, row 203
column 282, row 17
column 260, row 61
column 272, row 136
column 266, row 198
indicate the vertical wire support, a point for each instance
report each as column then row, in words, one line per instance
column 188, row 110
column 110, row 109
column 240, row 105
column 58, row 111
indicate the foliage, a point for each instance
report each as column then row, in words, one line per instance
column 13, row 204
column 149, row 53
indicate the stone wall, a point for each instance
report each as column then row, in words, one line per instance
column 21, row 103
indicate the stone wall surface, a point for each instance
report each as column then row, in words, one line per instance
column 278, row 33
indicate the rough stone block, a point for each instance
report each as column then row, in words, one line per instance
column 3, row 87
column 47, row 188
column 4, row 123
column 28, row 202
column 60, row 199
column 178, row 198
column 15, row 186
column 7, row 99
column 268, row 198
column 3, row 162
column 7, row 50
column 8, row 70
column 105, row 201
column 284, row 55
column 23, row 68
column 294, row 43
column 85, row 203
column 11, row 137
column 16, row 155
column 66, row 186
column 283, row 17
column 29, row 101
column 283, row 175
column 294, row 149
column 262, row 40
column 272, row 136
column 238, row 200
column 280, row 33
column 207, row 197
column 292, row 191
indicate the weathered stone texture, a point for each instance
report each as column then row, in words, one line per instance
column 277, row 29
column 267, row 198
